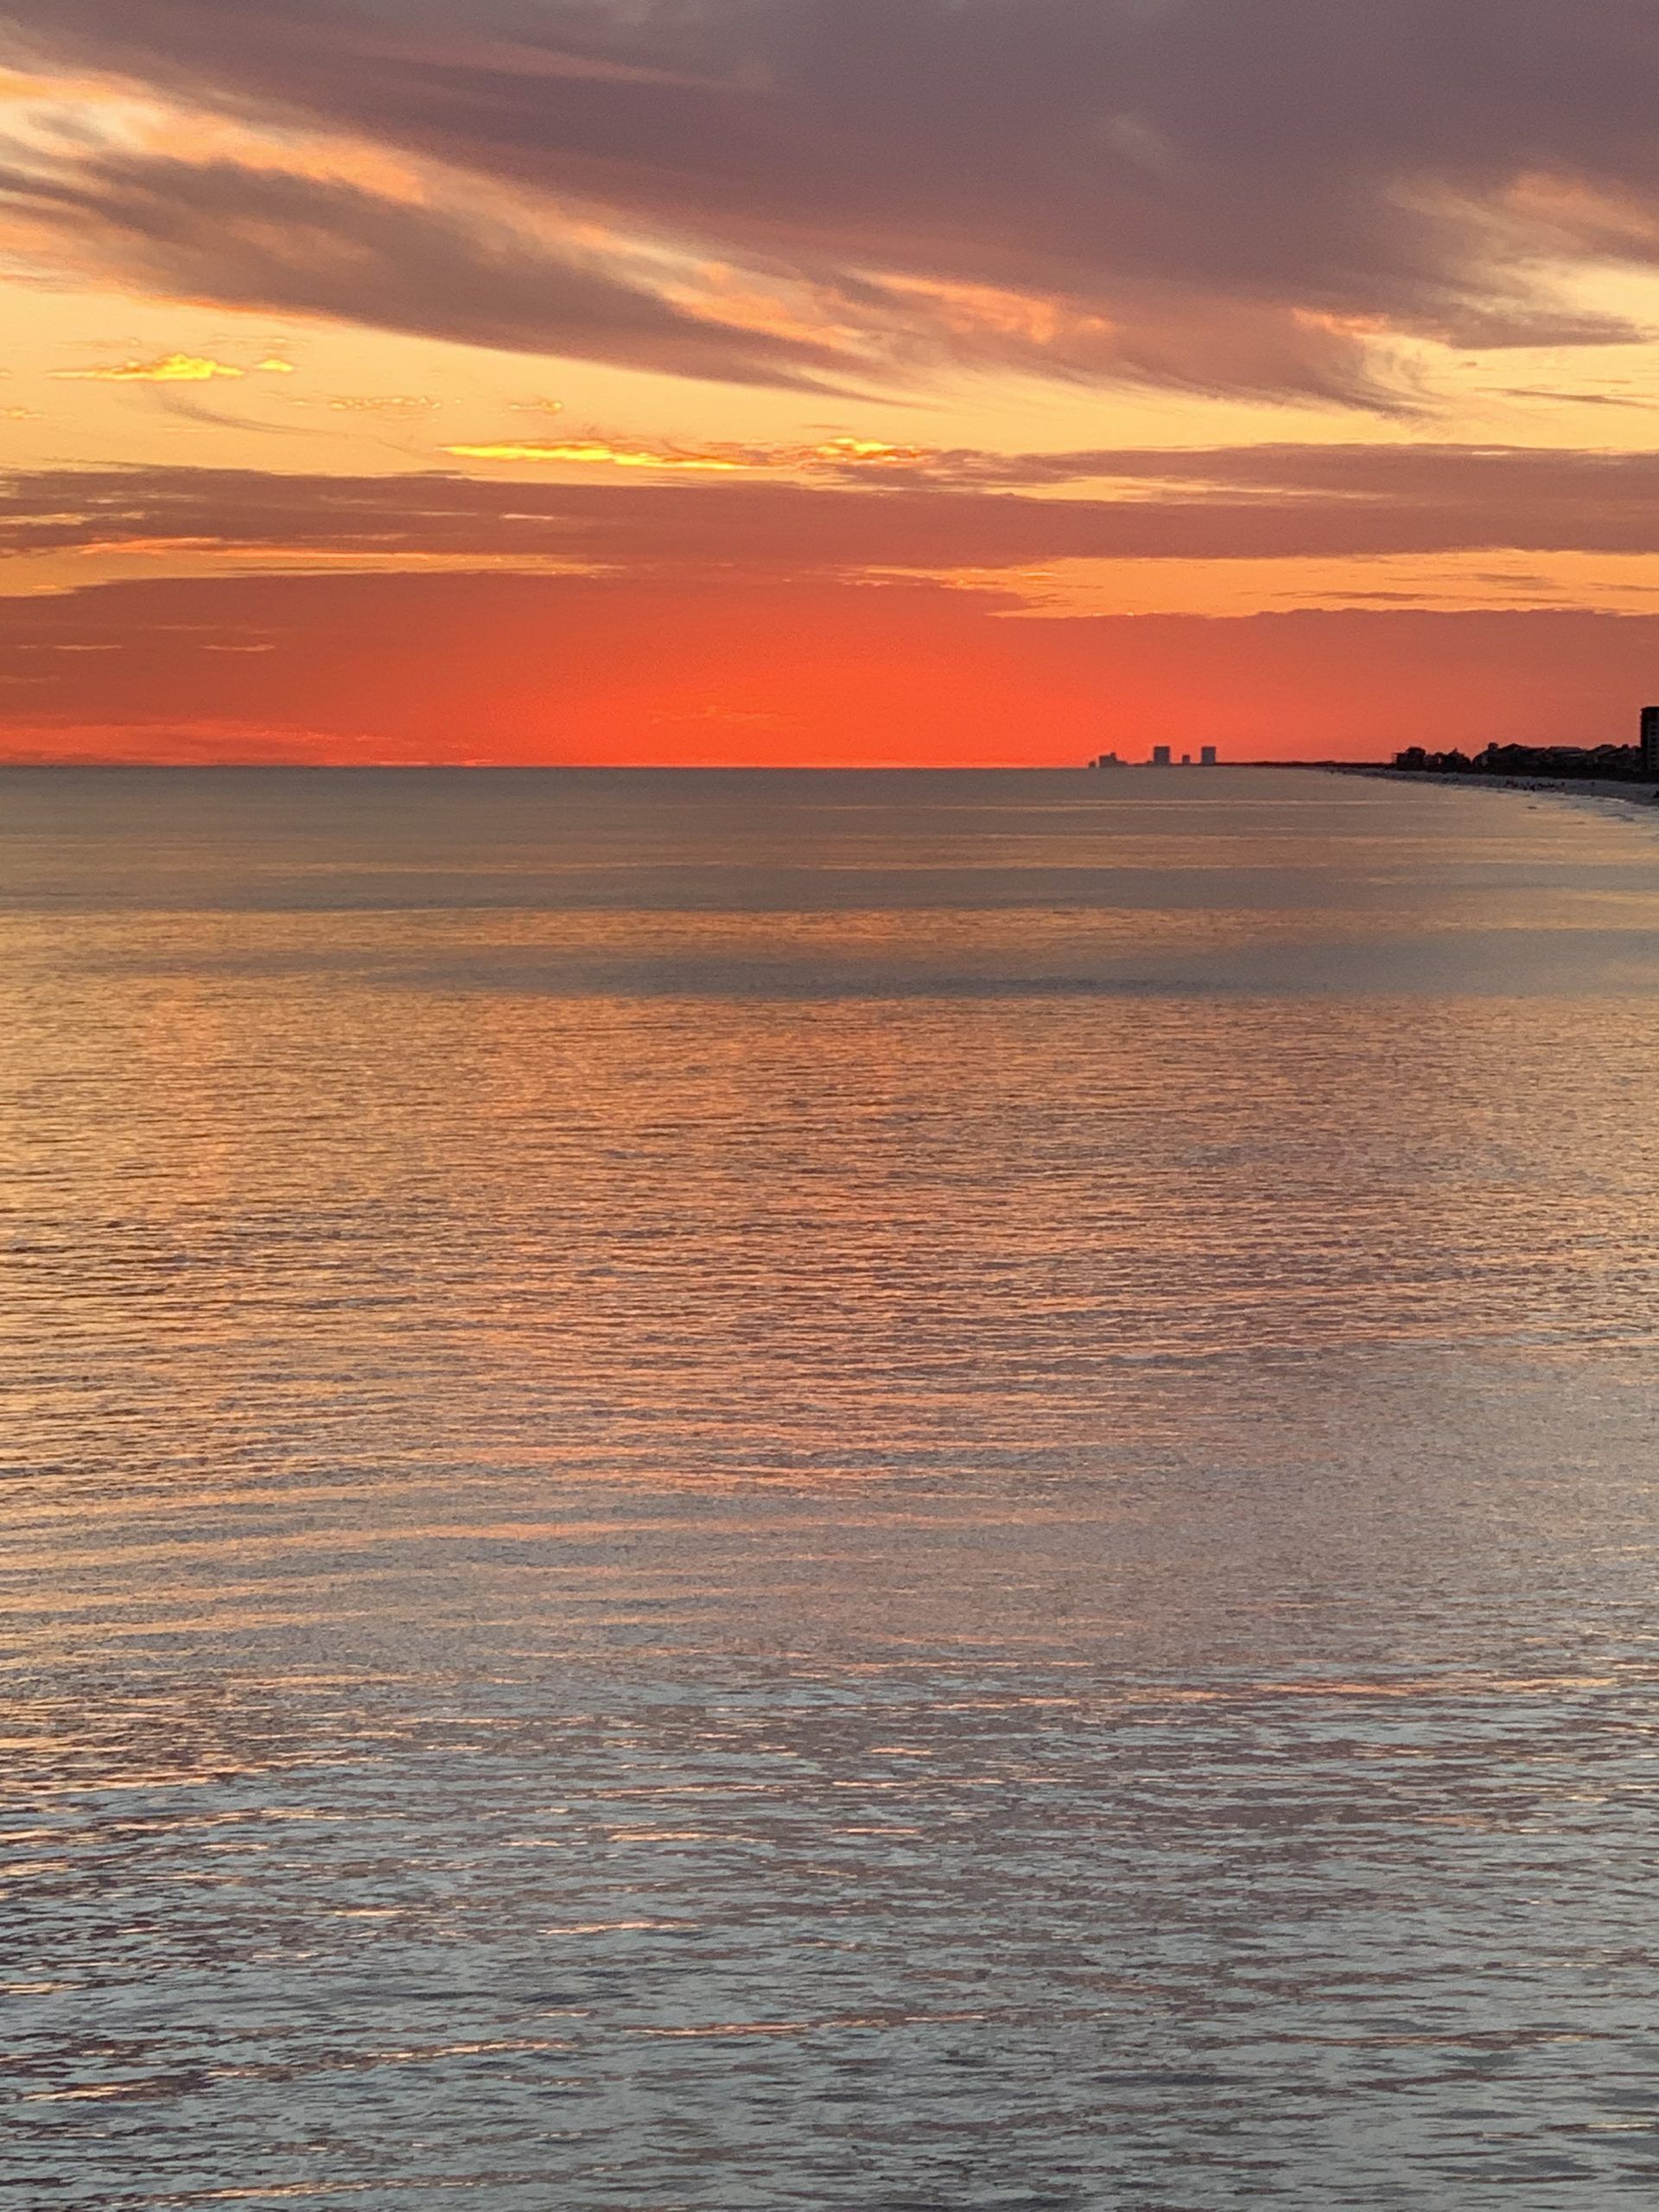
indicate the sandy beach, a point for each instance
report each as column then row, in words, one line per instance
column 1585, row 789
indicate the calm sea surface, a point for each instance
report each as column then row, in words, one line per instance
column 827, row 1493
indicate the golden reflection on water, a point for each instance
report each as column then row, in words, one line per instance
column 921, row 1472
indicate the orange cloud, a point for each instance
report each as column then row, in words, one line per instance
column 600, row 452
column 858, row 451
column 387, row 403
column 172, row 368
column 976, row 310
column 838, row 452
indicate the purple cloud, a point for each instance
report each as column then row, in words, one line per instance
column 1208, row 192
column 1257, row 503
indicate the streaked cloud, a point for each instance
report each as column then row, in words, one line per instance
column 323, row 245
column 398, row 404
column 1265, row 199
column 596, row 453
column 1249, row 504
column 854, row 453
column 171, row 368
column 730, row 459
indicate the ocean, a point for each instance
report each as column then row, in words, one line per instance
column 865, row 1492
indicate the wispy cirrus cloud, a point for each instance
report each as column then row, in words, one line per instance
column 170, row 368
column 398, row 406
column 838, row 454
column 1259, row 199
column 596, row 452
column 272, row 240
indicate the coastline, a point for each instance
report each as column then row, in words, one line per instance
column 1642, row 796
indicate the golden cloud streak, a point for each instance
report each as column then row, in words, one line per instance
column 723, row 460
column 866, row 450
column 386, row 404
column 172, row 368
column 595, row 452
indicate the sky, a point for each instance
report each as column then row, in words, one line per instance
column 824, row 382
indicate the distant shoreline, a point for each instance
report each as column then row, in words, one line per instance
column 1630, row 794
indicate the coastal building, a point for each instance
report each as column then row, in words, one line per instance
column 1106, row 761
column 1650, row 741
column 1161, row 756
column 1207, row 757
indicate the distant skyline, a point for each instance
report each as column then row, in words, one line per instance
column 825, row 381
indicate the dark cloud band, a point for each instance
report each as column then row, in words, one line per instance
column 1261, row 503
column 1230, row 195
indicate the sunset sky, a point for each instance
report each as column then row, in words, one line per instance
column 821, row 381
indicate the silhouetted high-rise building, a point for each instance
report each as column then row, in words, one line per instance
column 1650, row 741
column 1207, row 756
column 1161, row 756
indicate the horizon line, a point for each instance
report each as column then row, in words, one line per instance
column 660, row 768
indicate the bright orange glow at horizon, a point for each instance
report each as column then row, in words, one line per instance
column 517, row 670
